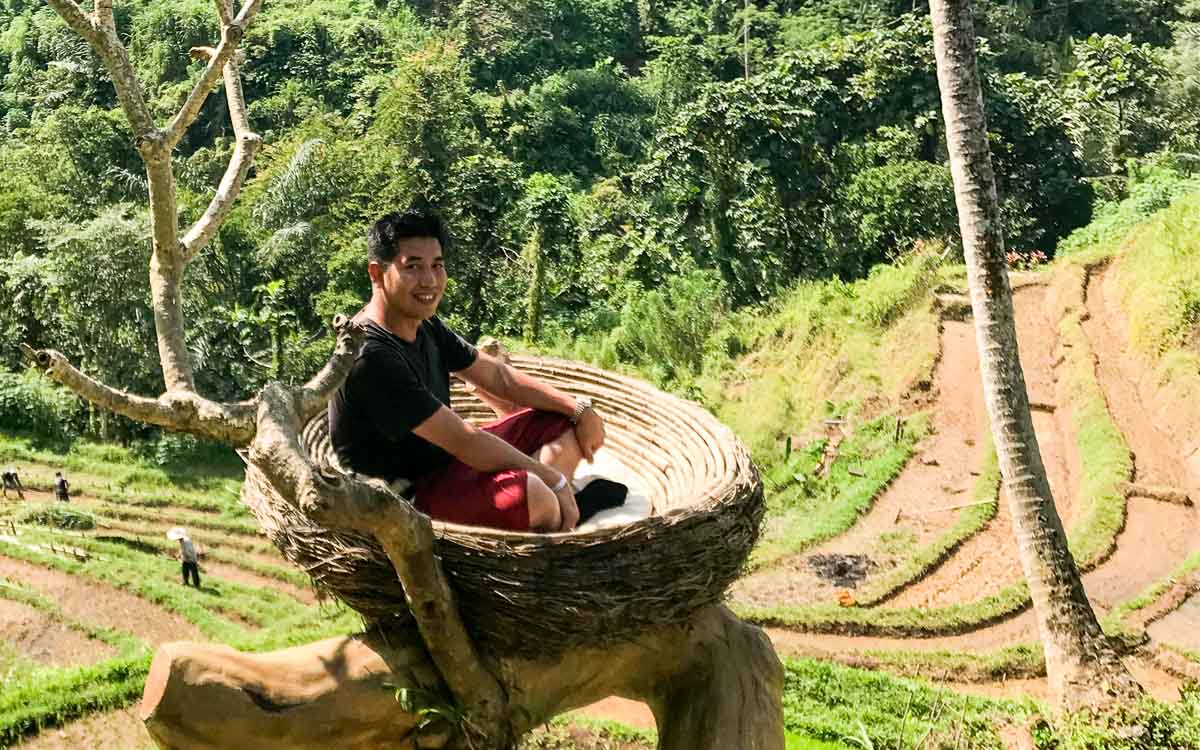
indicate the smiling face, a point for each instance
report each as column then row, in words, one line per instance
column 413, row 283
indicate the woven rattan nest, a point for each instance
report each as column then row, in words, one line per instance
column 529, row 594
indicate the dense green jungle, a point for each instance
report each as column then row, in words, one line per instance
column 671, row 164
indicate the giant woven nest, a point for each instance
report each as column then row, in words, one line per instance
column 529, row 594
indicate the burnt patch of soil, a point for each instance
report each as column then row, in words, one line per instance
column 844, row 570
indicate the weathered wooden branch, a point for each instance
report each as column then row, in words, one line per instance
column 102, row 36
column 231, row 37
column 80, row 22
column 313, row 396
column 169, row 258
column 229, row 422
column 713, row 684
column 1156, row 492
column 102, row 10
column 406, row 535
column 232, row 422
column 248, row 143
column 338, row 693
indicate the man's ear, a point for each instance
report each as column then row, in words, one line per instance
column 375, row 271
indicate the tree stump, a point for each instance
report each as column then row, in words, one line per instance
column 714, row 683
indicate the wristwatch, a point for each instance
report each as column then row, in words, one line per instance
column 582, row 404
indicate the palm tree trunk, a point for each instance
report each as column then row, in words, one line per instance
column 1083, row 668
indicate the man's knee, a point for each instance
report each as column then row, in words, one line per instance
column 544, row 513
column 563, row 451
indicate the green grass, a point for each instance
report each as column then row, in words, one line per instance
column 1106, row 464
column 840, row 704
column 114, row 473
column 1115, row 622
column 1106, row 458
column 1159, row 281
column 49, row 697
column 177, row 517
column 805, row 509
column 156, row 579
column 126, row 644
column 208, row 552
column 823, row 343
column 1018, row 661
column 893, row 622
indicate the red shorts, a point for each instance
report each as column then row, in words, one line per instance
column 459, row 494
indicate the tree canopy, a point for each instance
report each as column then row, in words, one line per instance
column 697, row 149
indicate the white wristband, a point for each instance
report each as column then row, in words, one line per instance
column 562, row 482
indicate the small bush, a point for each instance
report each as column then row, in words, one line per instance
column 31, row 404
column 1149, row 725
column 666, row 331
column 60, row 517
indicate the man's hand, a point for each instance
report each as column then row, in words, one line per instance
column 589, row 431
column 568, row 507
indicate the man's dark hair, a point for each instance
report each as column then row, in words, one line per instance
column 390, row 229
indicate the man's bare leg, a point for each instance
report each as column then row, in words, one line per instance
column 544, row 512
column 563, row 453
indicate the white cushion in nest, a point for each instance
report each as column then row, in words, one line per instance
column 637, row 502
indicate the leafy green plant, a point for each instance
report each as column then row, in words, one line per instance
column 59, row 517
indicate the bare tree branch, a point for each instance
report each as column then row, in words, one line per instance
column 231, row 36
column 248, row 143
column 103, row 14
column 230, row 422
column 101, row 34
column 82, row 23
column 312, row 397
column 226, row 422
column 341, row 501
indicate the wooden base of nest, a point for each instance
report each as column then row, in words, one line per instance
column 713, row 684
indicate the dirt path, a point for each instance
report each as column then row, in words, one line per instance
column 937, row 476
column 988, row 562
column 30, row 634
column 90, row 601
column 1179, row 628
column 1162, row 434
column 112, row 730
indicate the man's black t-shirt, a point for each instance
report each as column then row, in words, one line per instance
column 394, row 386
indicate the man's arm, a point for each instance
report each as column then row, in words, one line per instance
column 510, row 384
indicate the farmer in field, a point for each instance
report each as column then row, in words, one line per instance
column 11, row 481
column 190, row 560
column 61, row 488
column 392, row 417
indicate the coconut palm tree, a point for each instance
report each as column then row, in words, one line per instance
column 1083, row 667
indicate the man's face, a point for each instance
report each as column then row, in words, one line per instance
column 414, row 282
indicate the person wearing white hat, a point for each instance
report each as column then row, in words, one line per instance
column 189, row 558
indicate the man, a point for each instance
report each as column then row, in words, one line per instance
column 11, row 481
column 190, row 560
column 61, row 488
column 392, row 417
